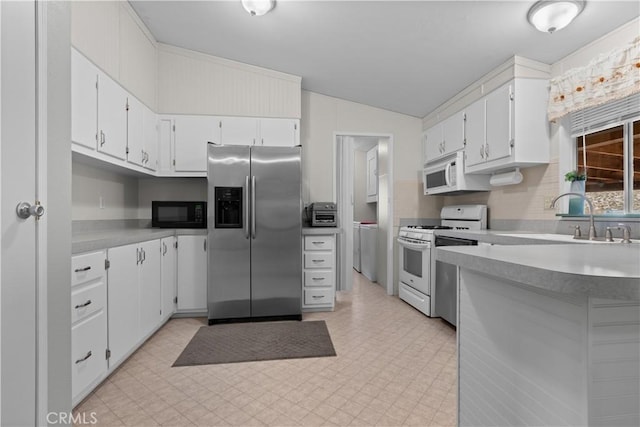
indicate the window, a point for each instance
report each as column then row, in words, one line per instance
column 601, row 156
column 607, row 150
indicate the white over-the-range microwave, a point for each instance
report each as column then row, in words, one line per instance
column 447, row 175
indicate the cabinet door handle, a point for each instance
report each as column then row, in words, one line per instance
column 486, row 150
column 84, row 358
column 482, row 151
column 144, row 255
column 164, row 248
column 83, row 305
column 205, row 245
column 103, row 138
column 80, row 270
column 137, row 256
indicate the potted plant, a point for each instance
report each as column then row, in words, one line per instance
column 577, row 180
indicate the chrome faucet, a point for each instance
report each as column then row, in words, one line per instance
column 592, row 228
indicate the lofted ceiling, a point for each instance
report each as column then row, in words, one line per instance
column 404, row 56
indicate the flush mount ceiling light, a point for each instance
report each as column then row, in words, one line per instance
column 549, row 16
column 258, row 7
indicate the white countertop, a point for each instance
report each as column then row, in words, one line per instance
column 601, row 270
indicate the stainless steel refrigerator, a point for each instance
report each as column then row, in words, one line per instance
column 254, row 233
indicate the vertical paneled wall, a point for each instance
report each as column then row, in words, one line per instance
column 194, row 83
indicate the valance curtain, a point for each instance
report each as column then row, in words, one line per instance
column 607, row 78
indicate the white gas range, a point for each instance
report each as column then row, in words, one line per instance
column 417, row 275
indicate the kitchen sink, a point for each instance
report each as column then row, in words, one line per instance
column 560, row 237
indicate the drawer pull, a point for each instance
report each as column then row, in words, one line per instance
column 80, row 270
column 84, row 358
column 317, row 296
column 317, row 278
column 317, row 260
column 318, row 243
column 83, row 305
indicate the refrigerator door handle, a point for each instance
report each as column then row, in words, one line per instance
column 246, row 207
column 253, row 207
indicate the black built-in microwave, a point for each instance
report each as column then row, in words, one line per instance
column 176, row 214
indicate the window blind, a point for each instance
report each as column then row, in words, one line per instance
column 601, row 116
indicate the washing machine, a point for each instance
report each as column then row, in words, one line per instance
column 368, row 250
column 356, row 246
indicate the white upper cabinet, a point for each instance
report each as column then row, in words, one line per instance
column 112, row 118
column 474, row 133
column 372, row 175
column 271, row 132
column 508, row 127
column 238, row 130
column 142, row 135
column 279, row 132
column 191, row 135
column 150, row 137
column 444, row 138
column 84, row 101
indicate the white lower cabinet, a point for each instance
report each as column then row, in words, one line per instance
column 88, row 322
column 121, row 295
column 168, row 276
column 318, row 272
column 149, row 283
column 124, row 300
column 192, row 274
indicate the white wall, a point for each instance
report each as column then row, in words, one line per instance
column 194, row 83
column 323, row 115
column 119, row 192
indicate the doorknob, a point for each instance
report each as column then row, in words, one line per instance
column 25, row 210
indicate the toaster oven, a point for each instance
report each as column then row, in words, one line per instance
column 324, row 214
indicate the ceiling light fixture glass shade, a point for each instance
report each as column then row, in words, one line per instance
column 258, row 7
column 549, row 16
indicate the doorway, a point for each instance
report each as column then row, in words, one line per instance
column 352, row 153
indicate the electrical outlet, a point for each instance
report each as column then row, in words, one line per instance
column 101, row 202
column 547, row 203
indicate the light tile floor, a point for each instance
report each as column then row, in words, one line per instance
column 394, row 367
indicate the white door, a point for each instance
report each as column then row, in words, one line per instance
column 238, row 131
column 168, row 276
column 433, row 142
column 135, row 132
column 192, row 273
column 474, row 133
column 278, row 132
column 453, row 133
column 499, row 115
column 150, row 136
column 372, row 175
column 150, row 304
column 191, row 135
column 18, row 183
column 84, row 101
column 123, row 297
column 112, row 117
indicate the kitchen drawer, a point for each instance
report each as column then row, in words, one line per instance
column 317, row 278
column 86, row 300
column 88, row 346
column 318, row 296
column 318, row 243
column 318, row 260
column 87, row 267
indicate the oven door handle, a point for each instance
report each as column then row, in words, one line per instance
column 415, row 246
